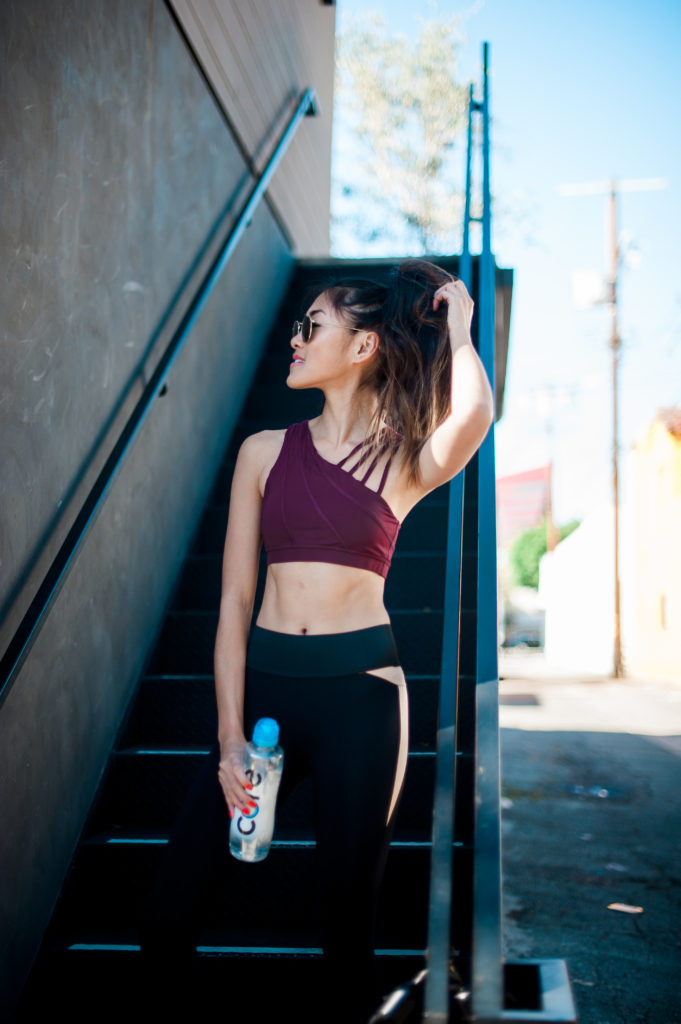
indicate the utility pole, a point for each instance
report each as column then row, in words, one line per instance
column 615, row 345
column 610, row 189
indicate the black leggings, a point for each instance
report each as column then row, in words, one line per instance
column 348, row 730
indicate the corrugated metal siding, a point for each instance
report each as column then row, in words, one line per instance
column 259, row 55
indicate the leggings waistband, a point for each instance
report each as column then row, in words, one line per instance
column 325, row 654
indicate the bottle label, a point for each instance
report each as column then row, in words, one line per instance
column 251, row 828
column 246, row 821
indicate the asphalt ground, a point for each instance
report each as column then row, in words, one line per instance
column 591, row 797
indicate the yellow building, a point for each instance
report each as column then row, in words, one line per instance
column 656, row 651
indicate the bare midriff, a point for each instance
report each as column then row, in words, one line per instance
column 311, row 598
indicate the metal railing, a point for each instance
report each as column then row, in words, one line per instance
column 470, row 806
column 442, row 881
column 36, row 614
column 486, row 981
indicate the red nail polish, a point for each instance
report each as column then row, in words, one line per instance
column 248, row 786
column 231, row 812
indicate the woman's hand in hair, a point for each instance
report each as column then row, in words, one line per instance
column 459, row 311
column 471, row 409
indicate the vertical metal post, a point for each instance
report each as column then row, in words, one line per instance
column 487, row 947
column 486, row 925
column 436, row 1008
column 465, row 268
column 442, row 879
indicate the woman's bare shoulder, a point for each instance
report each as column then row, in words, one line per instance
column 260, row 446
column 259, row 452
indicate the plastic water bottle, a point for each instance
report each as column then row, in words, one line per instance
column 250, row 833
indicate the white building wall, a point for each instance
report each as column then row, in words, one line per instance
column 577, row 588
column 575, row 585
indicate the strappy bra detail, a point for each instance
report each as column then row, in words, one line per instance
column 314, row 510
column 381, row 452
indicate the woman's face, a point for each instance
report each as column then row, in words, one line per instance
column 328, row 356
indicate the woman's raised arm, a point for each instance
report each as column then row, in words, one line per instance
column 471, row 411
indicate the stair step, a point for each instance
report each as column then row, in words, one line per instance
column 177, row 710
column 285, row 913
column 160, row 837
column 113, row 984
column 146, row 790
column 186, row 641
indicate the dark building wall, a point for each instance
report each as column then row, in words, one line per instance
column 116, row 165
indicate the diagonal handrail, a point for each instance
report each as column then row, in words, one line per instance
column 36, row 614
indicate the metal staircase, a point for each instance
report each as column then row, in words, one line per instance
column 264, row 924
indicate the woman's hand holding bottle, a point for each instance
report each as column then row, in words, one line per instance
column 233, row 778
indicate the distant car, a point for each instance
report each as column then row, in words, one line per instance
column 522, row 640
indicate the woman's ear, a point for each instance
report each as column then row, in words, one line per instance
column 366, row 346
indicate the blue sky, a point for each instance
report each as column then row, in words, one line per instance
column 579, row 92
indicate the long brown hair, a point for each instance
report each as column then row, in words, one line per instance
column 411, row 371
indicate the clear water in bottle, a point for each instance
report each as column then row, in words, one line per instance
column 250, row 833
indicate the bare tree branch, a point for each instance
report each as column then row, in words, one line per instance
column 404, row 110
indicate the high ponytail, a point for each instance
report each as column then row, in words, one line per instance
column 411, row 371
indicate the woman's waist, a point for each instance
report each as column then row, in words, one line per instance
column 322, row 654
column 307, row 599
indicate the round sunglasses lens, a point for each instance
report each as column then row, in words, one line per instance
column 303, row 328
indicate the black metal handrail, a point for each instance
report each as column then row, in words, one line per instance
column 34, row 618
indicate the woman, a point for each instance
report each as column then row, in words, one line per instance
column 406, row 404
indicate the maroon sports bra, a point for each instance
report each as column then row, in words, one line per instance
column 314, row 510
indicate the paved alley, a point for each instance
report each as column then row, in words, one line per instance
column 592, row 835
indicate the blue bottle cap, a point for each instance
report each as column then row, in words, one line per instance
column 266, row 732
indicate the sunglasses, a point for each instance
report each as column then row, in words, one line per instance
column 305, row 327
